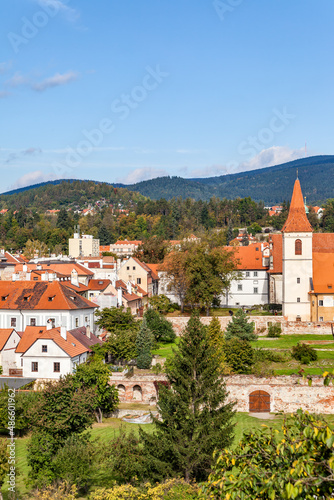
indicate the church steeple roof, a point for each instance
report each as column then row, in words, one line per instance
column 297, row 220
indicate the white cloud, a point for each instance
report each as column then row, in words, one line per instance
column 32, row 178
column 274, row 155
column 17, row 80
column 55, row 81
column 31, row 151
column 142, row 174
column 210, row 171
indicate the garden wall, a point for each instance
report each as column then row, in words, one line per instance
column 287, row 392
column 261, row 324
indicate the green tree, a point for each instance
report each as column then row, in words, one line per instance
column 216, row 338
column 114, row 319
column 239, row 355
column 174, row 266
column 103, row 235
column 144, row 344
column 160, row 327
column 4, row 462
column 298, row 465
column 152, row 250
column 35, row 247
column 63, row 221
column 195, row 418
column 229, row 235
column 95, row 374
column 240, row 327
column 160, row 303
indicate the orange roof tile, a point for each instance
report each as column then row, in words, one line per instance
column 297, row 220
column 277, row 253
column 4, row 336
column 249, row 257
column 323, row 242
column 323, row 272
column 71, row 345
column 98, row 284
column 39, row 295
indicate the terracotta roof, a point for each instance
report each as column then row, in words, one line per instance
column 126, row 242
column 249, row 257
column 146, row 268
column 71, row 345
column 323, row 272
column 58, row 268
column 130, row 297
column 323, row 242
column 297, row 220
column 277, row 253
column 11, row 259
column 154, row 269
column 4, row 336
column 98, row 284
column 80, row 335
column 79, row 289
column 39, row 295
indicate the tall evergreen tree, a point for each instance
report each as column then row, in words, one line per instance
column 103, row 235
column 195, row 418
column 144, row 344
column 216, row 339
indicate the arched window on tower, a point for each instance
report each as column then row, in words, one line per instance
column 298, row 247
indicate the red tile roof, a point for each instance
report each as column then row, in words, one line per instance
column 249, row 257
column 277, row 253
column 98, row 284
column 39, row 295
column 323, row 272
column 71, row 345
column 4, row 336
column 297, row 220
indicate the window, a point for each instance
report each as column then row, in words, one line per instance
column 134, row 268
column 239, row 287
column 86, row 319
column 44, row 348
column 13, row 322
column 298, row 247
column 298, row 299
column 138, row 281
column 35, row 278
column 321, row 303
column 4, row 297
column 321, row 318
column 32, row 321
column 50, row 299
column 255, row 274
column 34, row 366
column 77, row 322
column 127, row 268
column 56, row 367
column 256, row 290
column 247, row 274
column 21, row 361
column 298, row 280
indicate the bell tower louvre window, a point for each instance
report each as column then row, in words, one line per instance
column 298, row 247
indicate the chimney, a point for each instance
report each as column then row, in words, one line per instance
column 51, row 276
column 88, row 331
column 28, row 276
column 118, row 264
column 49, row 324
column 119, row 297
column 129, row 287
column 63, row 332
column 25, row 268
column 74, row 278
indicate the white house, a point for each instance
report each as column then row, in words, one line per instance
column 48, row 353
column 9, row 340
column 24, row 303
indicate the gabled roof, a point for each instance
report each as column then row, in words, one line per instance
column 323, row 272
column 71, row 345
column 297, row 220
column 39, row 295
column 80, row 335
column 5, row 333
column 101, row 284
column 249, row 257
column 64, row 269
column 276, row 253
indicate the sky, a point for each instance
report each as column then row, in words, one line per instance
column 124, row 91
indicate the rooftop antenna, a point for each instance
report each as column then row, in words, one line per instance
column 297, row 173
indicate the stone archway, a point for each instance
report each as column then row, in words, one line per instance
column 259, row 402
column 137, row 393
column 121, row 391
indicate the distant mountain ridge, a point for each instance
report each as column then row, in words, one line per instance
column 271, row 185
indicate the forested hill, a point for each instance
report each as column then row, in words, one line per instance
column 69, row 194
column 270, row 185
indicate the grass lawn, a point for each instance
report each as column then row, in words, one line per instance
column 288, row 341
column 166, row 350
column 111, row 427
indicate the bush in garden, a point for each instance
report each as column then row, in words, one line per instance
column 304, row 353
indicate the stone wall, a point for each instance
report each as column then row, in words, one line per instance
column 261, row 324
column 287, row 393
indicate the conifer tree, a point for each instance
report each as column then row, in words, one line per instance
column 144, row 344
column 240, row 327
column 195, row 418
column 216, row 338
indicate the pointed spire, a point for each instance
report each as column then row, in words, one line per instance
column 297, row 220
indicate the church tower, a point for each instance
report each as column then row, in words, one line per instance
column 297, row 259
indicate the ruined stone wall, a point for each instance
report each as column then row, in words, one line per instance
column 287, row 392
column 261, row 324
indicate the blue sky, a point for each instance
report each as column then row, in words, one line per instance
column 122, row 91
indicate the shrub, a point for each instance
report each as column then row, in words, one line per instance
column 269, row 355
column 303, row 352
column 239, row 355
column 160, row 327
column 274, row 330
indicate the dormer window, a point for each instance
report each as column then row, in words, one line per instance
column 26, row 298
column 298, row 247
column 50, row 299
column 4, row 297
